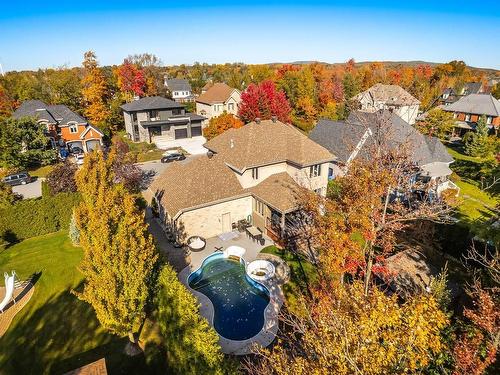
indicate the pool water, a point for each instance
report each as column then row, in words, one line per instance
column 239, row 302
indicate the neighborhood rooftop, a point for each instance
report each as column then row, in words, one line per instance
column 58, row 113
column 341, row 138
column 267, row 142
column 481, row 104
column 389, row 94
column 149, row 103
column 217, row 93
column 178, row 84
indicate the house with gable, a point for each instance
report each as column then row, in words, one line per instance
column 390, row 97
column 255, row 173
column 356, row 137
column 180, row 89
column 217, row 99
column 64, row 127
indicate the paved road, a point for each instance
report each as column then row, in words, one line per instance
column 158, row 167
column 31, row 190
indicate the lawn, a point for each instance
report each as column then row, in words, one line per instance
column 302, row 274
column 41, row 171
column 142, row 150
column 55, row 332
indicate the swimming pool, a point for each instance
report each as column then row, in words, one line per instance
column 239, row 302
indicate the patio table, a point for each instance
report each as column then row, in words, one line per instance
column 254, row 232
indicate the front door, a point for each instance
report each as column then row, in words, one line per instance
column 226, row 222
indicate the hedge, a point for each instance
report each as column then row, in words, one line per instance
column 34, row 217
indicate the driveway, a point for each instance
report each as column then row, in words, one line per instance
column 31, row 190
column 193, row 146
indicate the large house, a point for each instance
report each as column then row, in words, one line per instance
column 391, row 97
column 65, row 129
column 356, row 137
column 157, row 117
column 253, row 173
column 180, row 89
column 451, row 95
column 218, row 98
column 470, row 108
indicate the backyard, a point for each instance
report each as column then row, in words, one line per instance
column 55, row 332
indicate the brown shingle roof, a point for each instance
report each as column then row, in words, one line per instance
column 218, row 93
column 389, row 94
column 197, row 182
column 279, row 191
column 267, row 143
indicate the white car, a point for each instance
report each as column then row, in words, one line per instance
column 79, row 159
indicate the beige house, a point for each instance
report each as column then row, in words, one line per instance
column 217, row 99
column 255, row 173
column 391, row 97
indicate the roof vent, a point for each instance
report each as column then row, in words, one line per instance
column 210, row 154
column 257, row 120
column 137, row 97
column 274, row 118
column 231, row 143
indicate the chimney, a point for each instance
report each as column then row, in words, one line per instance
column 257, row 120
column 274, row 118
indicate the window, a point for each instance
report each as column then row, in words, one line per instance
column 259, row 207
column 489, row 119
column 467, row 117
column 255, row 173
column 331, row 174
column 73, row 128
column 134, row 117
column 230, row 106
column 176, row 111
column 153, row 114
column 315, row 170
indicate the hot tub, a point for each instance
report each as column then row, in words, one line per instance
column 260, row 269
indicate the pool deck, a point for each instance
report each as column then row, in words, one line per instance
column 268, row 333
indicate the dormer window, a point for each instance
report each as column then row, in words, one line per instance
column 315, row 170
column 73, row 128
column 467, row 117
column 255, row 173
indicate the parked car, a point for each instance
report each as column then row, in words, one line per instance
column 21, row 178
column 79, row 159
column 76, row 150
column 172, row 157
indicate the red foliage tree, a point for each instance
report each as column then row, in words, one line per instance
column 131, row 79
column 264, row 101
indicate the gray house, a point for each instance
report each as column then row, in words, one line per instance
column 180, row 89
column 154, row 117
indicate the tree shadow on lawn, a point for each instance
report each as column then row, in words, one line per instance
column 63, row 327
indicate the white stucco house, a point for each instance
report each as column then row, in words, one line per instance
column 217, row 99
column 254, row 173
column 391, row 97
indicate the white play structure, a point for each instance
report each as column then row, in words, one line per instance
column 9, row 289
column 260, row 269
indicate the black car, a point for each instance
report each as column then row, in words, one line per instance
column 173, row 157
column 76, row 150
column 21, row 178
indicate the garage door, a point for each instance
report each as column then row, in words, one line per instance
column 195, row 131
column 181, row 133
column 93, row 145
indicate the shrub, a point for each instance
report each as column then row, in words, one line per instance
column 62, row 178
column 34, row 217
column 74, row 232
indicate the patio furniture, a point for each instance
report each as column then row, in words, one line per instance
column 254, row 232
column 242, row 225
column 196, row 243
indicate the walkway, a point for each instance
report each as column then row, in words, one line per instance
column 21, row 297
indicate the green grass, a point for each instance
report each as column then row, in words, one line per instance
column 149, row 155
column 42, row 171
column 302, row 273
column 55, row 332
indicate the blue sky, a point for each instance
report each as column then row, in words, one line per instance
column 47, row 34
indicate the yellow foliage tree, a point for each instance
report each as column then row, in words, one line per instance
column 218, row 125
column 119, row 253
column 94, row 90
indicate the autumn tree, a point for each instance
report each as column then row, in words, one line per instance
column 119, row 252
column 131, row 80
column 62, row 178
column 94, row 90
column 191, row 344
column 437, row 123
column 219, row 124
column 6, row 104
column 263, row 101
column 346, row 331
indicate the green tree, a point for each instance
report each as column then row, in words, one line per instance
column 23, row 143
column 119, row 253
column 7, row 197
column 437, row 123
column 478, row 143
column 191, row 344
column 350, row 85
